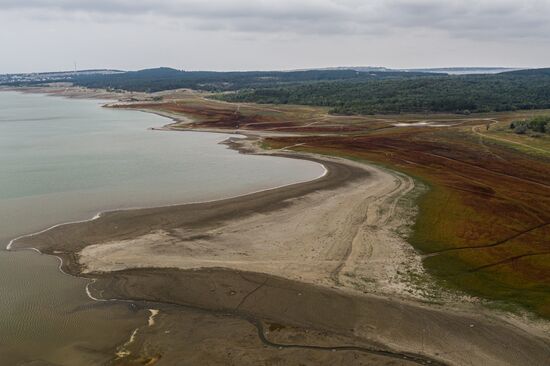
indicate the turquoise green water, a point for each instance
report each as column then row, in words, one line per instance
column 63, row 160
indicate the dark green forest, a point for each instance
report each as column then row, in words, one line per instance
column 153, row 80
column 518, row 90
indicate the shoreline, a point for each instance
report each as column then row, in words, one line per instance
column 141, row 293
column 98, row 215
column 283, row 189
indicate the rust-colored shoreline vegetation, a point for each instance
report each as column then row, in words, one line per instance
column 484, row 225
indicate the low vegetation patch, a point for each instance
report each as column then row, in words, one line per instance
column 533, row 126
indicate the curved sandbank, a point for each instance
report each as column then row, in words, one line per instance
column 60, row 240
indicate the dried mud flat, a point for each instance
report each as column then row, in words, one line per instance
column 280, row 277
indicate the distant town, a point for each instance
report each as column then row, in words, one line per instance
column 58, row 76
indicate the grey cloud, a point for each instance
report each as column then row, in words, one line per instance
column 468, row 18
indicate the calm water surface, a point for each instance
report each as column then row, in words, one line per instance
column 64, row 160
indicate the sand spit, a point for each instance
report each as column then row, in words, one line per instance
column 326, row 237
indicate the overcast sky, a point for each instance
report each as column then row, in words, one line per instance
column 47, row 35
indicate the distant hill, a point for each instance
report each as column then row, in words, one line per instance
column 356, row 68
column 152, row 80
column 466, row 70
column 529, row 72
column 437, row 70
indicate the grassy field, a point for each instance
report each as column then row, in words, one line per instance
column 484, row 226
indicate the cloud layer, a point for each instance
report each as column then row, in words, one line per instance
column 272, row 34
column 502, row 19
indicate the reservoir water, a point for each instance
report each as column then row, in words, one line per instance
column 64, row 160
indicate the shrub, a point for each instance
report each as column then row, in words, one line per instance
column 520, row 129
column 537, row 125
